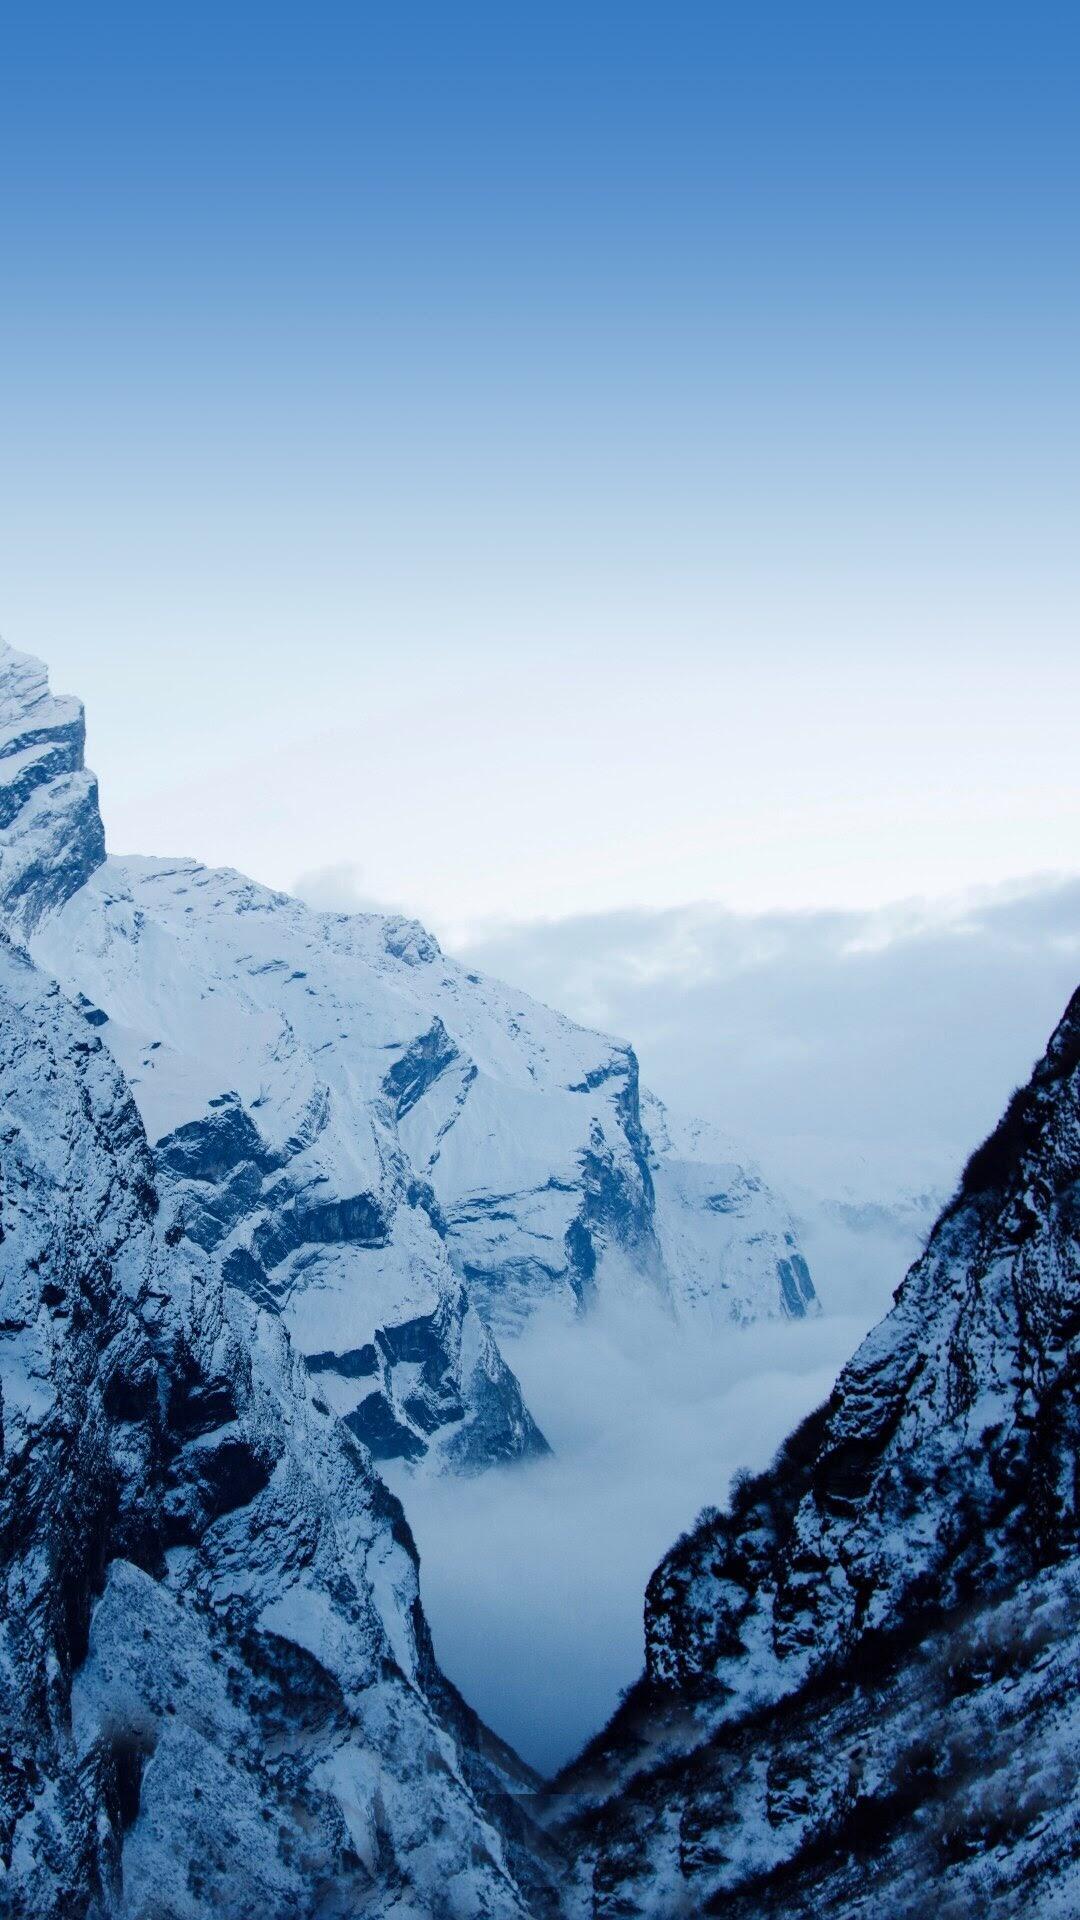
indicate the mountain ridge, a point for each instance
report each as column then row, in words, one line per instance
column 401, row 1157
column 803, row 1648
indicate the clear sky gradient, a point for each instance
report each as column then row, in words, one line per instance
column 543, row 459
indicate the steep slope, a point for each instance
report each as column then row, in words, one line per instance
column 401, row 1158
column 273, row 1087
column 725, row 1238
column 219, row 1696
column 862, row 1681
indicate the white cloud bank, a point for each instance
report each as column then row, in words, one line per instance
column 847, row 1048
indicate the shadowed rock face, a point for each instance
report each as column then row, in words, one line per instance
column 435, row 1381
column 863, row 1678
column 219, row 1696
column 51, row 837
column 423, row 1062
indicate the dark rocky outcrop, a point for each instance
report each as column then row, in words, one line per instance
column 862, row 1691
column 51, row 836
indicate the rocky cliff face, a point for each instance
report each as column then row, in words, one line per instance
column 51, row 837
column 219, row 1696
column 862, row 1681
column 400, row 1158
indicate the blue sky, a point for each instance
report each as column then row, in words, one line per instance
column 553, row 458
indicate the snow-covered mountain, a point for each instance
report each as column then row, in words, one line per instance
column 400, row 1157
column 862, row 1692
column 721, row 1229
column 219, row 1695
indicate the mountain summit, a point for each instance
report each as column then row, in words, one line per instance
column 51, row 836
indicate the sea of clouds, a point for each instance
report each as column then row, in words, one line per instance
column 534, row 1577
column 860, row 1056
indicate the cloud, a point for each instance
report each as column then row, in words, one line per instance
column 533, row 1577
column 876, row 1046
column 338, row 888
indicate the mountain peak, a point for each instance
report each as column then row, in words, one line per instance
column 52, row 835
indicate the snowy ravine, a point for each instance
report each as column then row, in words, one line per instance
column 399, row 1157
column 862, row 1692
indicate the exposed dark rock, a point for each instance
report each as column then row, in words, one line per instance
column 385, row 1437
column 53, row 838
column 420, row 1066
column 358, row 1363
column 213, row 1148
